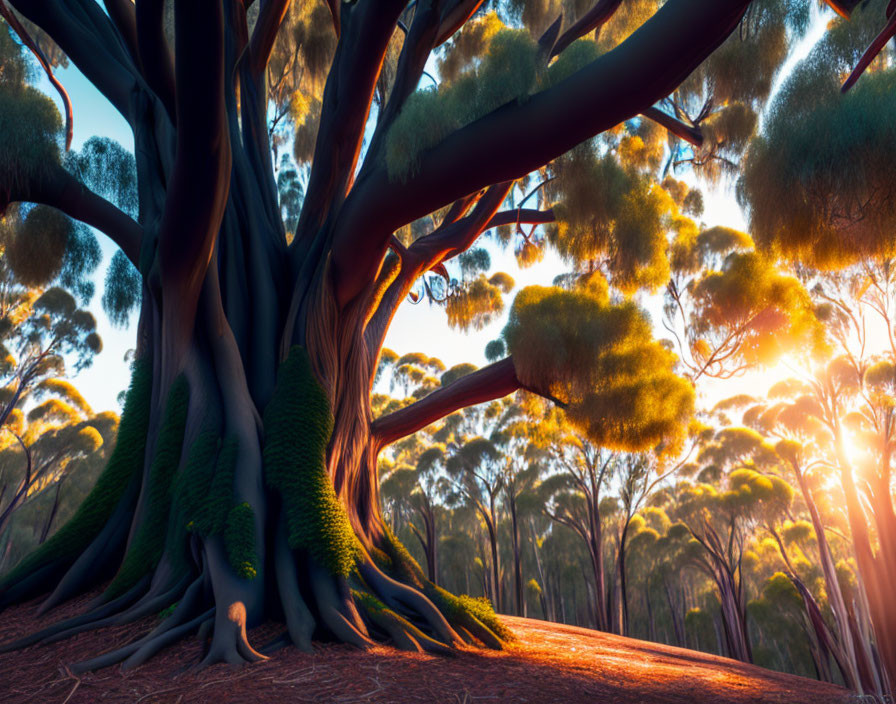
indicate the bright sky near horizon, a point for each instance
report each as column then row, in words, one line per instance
column 417, row 327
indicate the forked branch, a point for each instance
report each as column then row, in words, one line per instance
column 521, row 137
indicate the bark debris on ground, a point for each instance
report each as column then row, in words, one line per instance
column 549, row 663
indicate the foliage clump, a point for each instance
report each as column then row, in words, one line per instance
column 36, row 251
column 298, row 423
column 600, row 360
column 30, row 128
column 506, row 72
column 611, row 214
column 841, row 199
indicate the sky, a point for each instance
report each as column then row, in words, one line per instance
column 419, row 327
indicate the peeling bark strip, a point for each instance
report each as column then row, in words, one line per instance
column 244, row 482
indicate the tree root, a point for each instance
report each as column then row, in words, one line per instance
column 83, row 621
column 343, row 622
column 396, row 595
column 299, row 620
column 229, row 642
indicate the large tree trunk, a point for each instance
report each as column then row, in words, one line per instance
column 243, row 486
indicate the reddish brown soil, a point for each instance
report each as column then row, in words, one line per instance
column 550, row 663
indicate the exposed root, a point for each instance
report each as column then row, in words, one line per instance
column 299, row 620
column 345, row 624
column 396, row 595
column 229, row 642
column 404, row 634
column 84, row 620
column 149, row 604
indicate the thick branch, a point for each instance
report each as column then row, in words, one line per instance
column 200, row 181
column 596, row 17
column 124, row 16
column 154, row 52
column 454, row 17
column 523, row 136
column 64, row 192
column 494, row 381
column 28, row 41
column 270, row 17
column 365, row 31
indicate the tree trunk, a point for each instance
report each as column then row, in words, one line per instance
column 517, row 560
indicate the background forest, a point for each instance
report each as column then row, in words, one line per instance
column 680, row 504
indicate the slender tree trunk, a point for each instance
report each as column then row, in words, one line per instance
column 517, row 559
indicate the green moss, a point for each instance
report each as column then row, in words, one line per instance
column 298, row 423
column 455, row 607
column 404, row 566
column 149, row 541
column 205, row 487
column 367, row 601
column 239, row 540
column 125, row 462
column 165, row 613
column 380, row 558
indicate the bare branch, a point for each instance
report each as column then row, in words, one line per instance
column 365, row 31
column 494, row 381
column 454, row 17
column 689, row 133
column 596, row 17
column 876, row 46
column 88, row 37
column 28, row 41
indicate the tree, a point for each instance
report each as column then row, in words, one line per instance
column 249, row 411
column 720, row 519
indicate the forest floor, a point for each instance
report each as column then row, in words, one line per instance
column 549, row 663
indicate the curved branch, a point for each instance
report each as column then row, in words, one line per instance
column 28, row 41
column 523, row 136
column 428, row 253
column 494, row 381
column 91, row 41
column 64, row 192
column 596, row 17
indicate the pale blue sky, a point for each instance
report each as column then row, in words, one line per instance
column 419, row 327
